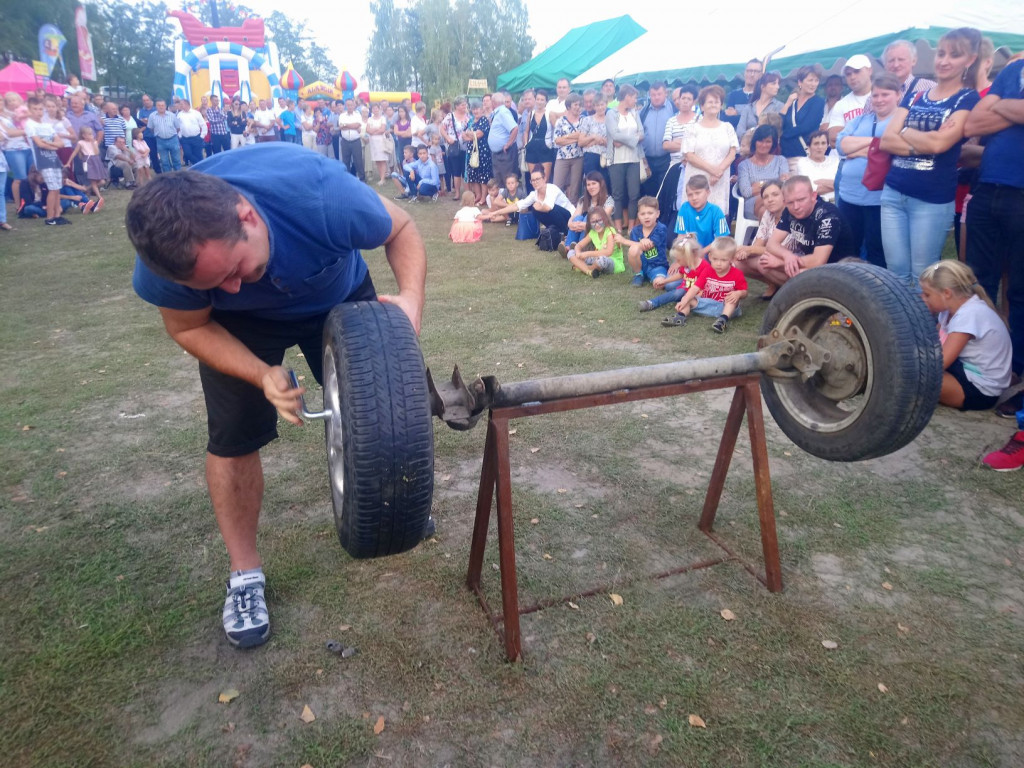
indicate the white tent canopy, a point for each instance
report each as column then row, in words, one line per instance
column 731, row 32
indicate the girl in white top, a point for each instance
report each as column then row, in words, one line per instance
column 976, row 348
column 467, row 227
column 820, row 168
column 709, row 148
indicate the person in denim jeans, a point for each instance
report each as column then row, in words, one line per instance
column 995, row 214
column 924, row 138
column 165, row 128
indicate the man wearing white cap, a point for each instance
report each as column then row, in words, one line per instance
column 857, row 73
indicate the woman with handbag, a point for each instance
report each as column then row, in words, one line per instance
column 624, row 156
column 864, row 167
column 453, row 126
column 924, row 138
column 478, row 160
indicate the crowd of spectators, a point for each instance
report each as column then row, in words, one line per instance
column 630, row 180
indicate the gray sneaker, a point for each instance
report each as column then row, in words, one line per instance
column 246, row 620
column 645, row 306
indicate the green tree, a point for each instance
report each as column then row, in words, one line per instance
column 19, row 30
column 388, row 64
column 133, row 45
column 438, row 45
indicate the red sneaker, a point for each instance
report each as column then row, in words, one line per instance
column 1009, row 457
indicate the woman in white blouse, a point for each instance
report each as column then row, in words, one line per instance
column 624, row 154
column 709, row 148
column 550, row 206
column 818, row 167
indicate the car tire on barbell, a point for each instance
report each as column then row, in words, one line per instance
column 882, row 384
column 380, row 436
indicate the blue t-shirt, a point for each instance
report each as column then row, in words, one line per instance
column 929, row 178
column 707, row 223
column 288, row 118
column 658, row 255
column 1003, row 159
column 318, row 216
column 851, row 171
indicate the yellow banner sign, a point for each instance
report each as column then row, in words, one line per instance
column 40, row 68
column 477, row 84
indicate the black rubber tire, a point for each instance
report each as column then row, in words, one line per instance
column 386, row 460
column 903, row 354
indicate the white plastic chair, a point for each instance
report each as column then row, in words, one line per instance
column 746, row 228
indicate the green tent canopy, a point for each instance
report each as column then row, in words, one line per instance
column 579, row 50
column 831, row 59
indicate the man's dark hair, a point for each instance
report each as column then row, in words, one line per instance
column 171, row 216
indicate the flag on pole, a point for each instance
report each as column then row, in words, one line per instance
column 86, row 63
column 51, row 43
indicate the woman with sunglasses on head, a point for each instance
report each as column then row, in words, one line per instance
column 924, row 138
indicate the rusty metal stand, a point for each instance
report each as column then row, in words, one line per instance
column 495, row 474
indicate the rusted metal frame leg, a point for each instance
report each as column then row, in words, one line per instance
column 763, row 483
column 483, row 511
column 506, row 541
column 725, row 450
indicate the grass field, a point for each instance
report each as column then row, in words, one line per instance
column 111, row 649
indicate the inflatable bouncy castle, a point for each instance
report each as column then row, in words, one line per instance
column 224, row 61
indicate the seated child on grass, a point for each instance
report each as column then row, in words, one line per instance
column 716, row 290
column 73, row 193
column 510, row 194
column 698, row 217
column 599, row 252
column 494, row 202
column 401, row 176
column 684, row 261
column 466, row 228
column 976, row 348
column 648, row 245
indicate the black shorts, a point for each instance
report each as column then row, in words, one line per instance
column 240, row 419
column 974, row 398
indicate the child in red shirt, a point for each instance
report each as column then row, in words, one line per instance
column 716, row 291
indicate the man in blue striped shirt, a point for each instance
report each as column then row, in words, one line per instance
column 113, row 125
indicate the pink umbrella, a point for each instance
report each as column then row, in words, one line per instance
column 19, row 77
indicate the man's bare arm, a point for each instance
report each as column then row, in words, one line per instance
column 983, row 120
column 407, row 257
column 210, row 343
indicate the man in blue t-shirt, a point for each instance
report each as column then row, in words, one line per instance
column 995, row 213
column 245, row 255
